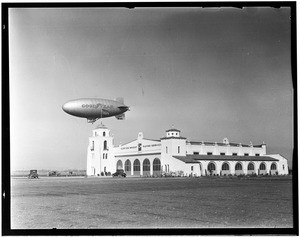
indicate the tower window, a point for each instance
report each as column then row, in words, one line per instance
column 166, row 149
column 178, row 149
column 192, row 168
column 103, row 133
column 92, row 149
column 105, row 145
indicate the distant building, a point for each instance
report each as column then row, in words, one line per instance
column 175, row 154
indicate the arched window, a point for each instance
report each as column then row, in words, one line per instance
column 225, row 166
column 211, row 166
column 127, row 165
column 250, row 166
column 238, row 166
column 262, row 166
column 103, row 133
column 156, row 164
column 105, row 145
column 273, row 166
column 146, row 165
column 136, row 165
column 119, row 164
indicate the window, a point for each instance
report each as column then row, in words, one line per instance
column 178, row 149
column 246, row 154
column 192, row 168
column 105, row 145
column 209, row 153
column 103, row 133
column 166, row 149
column 146, row 165
column 156, row 164
column 257, row 154
column 273, row 166
column 211, row 166
column 234, row 154
column 119, row 164
column 139, row 147
column 238, row 166
column 222, row 153
column 92, row 148
column 127, row 165
column 196, row 153
column 136, row 165
column 104, row 169
column 262, row 166
column 250, row 166
column 103, row 156
column 96, row 133
column 225, row 166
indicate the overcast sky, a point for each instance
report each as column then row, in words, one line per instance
column 213, row 73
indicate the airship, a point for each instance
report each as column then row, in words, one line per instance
column 95, row 108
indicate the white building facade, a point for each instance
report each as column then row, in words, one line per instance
column 173, row 154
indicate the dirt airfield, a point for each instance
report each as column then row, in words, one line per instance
column 99, row 203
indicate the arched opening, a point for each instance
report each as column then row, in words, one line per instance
column 156, row 166
column 200, row 168
column 211, row 168
column 225, row 169
column 146, row 167
column 238, row 168
column 136, row 167
column 128, row 167
column 262, row 168
column 105, row 145
column 273, row 168
column 119, row 165
column 250, row 168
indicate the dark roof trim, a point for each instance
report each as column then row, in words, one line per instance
column 157, row 153
column 173, row 137
column 225, row 158
column 172, row 130
column 151, row 139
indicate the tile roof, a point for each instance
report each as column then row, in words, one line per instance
column 197, row 158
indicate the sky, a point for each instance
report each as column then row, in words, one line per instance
column 212, row 73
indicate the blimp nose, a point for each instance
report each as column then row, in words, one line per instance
column 68, row 107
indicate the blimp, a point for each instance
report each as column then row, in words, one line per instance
column 95, row 108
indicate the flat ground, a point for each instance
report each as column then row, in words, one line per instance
column 97, row 203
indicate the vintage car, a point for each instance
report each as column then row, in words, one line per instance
column 33, row 174
column 119, row 173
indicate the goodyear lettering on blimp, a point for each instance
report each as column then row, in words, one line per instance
column 96, row 106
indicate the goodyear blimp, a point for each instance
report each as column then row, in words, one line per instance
column 95, row 108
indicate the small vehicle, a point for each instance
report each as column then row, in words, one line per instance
column 33, row 174
column 53, row 173
column 119, row 173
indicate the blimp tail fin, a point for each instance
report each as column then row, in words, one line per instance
column 121, row 100
column 121, row 116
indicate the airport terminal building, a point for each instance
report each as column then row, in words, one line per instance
column 174, row 154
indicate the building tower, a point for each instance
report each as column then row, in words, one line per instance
column 173, row 144
column 100, row 158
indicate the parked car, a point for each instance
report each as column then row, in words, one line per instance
column 33, row 174
column 53, row 173
column 119, row 173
